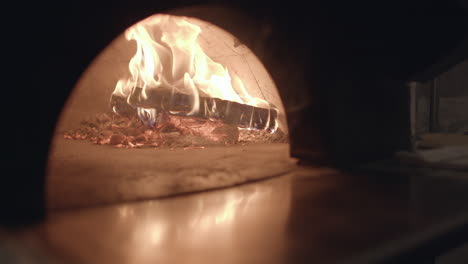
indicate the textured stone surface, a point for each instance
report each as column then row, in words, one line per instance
column 83, row 174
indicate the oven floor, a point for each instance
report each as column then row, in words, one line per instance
column 311, row 215
column 84, row 174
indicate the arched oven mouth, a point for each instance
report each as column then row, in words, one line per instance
column 173, row 105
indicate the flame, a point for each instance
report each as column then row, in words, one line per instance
column 169, row 57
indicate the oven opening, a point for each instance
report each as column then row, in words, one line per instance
column 173, row 105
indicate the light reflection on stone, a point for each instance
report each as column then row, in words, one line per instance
column 194, row 226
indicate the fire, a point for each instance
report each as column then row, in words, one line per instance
column 170, row 59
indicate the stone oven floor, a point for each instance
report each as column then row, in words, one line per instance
column 309, row 215
column 84, row 174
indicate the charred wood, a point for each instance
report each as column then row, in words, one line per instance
column 232, row 113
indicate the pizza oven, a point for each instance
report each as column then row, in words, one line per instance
column 175, row 104
column 140, row 100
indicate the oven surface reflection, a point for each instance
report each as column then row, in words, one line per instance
column 185, row 229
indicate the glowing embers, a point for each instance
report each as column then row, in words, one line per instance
column 169, row 131
column 174, row 93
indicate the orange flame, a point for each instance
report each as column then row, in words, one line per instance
column 169, row 57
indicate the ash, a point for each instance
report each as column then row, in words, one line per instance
column 171, row 131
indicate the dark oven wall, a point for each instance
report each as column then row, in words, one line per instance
column 340, row 68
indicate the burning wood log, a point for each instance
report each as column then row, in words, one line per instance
column 232, row 113
column 217, row 122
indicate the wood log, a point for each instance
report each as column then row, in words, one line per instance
column 241, row 115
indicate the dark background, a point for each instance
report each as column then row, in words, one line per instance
column 355, row 57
